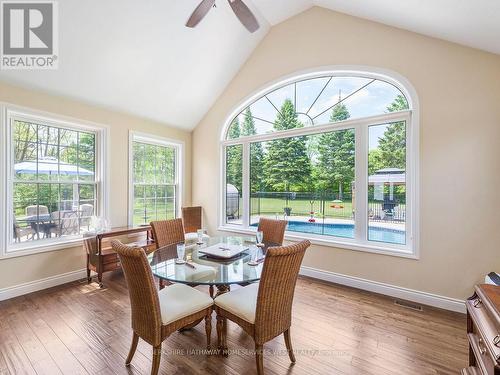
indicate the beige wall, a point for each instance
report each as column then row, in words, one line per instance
column 459, row 93
column 14, row 271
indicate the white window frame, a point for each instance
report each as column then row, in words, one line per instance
column 135, row 136
column 361, row 125
column 8, row 114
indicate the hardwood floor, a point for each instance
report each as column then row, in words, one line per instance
column 80, row 329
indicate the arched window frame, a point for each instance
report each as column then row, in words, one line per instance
column 410, row 116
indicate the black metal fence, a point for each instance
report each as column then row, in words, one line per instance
column 392, row 208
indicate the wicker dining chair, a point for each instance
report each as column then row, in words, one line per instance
column 156, row 315
column 167, row 232
column 264, row 310
column 273, row 230
column 191, row 218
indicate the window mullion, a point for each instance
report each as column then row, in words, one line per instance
column 361, row 184
column 246, row 184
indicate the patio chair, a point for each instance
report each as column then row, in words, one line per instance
column 86, row 212
column 20, row 232
column 35, row 210
column 66, row 223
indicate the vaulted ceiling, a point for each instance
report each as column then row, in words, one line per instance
column 137, row 56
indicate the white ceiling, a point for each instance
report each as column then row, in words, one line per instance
column 136, row 56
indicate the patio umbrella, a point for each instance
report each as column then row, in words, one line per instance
column 52, row 166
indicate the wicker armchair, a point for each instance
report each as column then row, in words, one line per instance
column 36, row 210
column 264, row 310
column 273, row 230
column 191, row 218
column 156, row 315
column 167, row 232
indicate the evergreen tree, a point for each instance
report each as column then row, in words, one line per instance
column 234, row 129
column 256, row 153
column 336, row 155
column 234, row 158
column 392, row 144
column 287, row 165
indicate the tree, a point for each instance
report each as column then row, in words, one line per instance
column 374, row 161
column 336, row 154
column 392, row 144
column 256, row 152
column 287, row 165
column 234, row 158
column 234, row 129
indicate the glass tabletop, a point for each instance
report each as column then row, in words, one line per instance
column 207, row 270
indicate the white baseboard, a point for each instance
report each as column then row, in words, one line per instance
column 424, row 298
column 48, row 282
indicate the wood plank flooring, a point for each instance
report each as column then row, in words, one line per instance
column 80, row 329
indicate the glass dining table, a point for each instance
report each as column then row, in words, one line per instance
column 201, row 269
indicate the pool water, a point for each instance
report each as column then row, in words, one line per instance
column 347, row 231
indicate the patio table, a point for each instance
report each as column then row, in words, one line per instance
column 40, row 223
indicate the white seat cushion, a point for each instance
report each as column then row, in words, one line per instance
column 178, row 301
column 240, row 302
column 193, row 237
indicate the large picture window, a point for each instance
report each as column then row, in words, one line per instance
column 155, row 179
column 54, row 184
column 329, row 154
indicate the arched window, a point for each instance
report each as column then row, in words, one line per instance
column 333, row 154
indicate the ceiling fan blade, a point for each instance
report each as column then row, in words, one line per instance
column 244, row 14
column 200, row 12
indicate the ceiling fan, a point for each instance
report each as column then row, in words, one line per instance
column 239, row 8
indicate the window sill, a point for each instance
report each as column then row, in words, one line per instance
column 322, row 241
column 20, row 250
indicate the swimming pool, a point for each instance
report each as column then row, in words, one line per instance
column 347, row 231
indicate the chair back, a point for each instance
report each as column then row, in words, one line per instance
column 273, row 230
column 36, row 210
column 144, row 301
column 86, row 212
column 67, row 222
column 191, row 217
column 273, row 313
column 167, row 232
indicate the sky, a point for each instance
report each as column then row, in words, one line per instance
column 365, row 101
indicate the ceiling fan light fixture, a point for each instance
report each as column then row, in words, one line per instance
column 239, row 8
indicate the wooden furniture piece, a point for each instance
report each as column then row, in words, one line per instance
column 273, row 230
column 100, row 255
column 264, row 310
column 156, row 315
column 483, row 330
